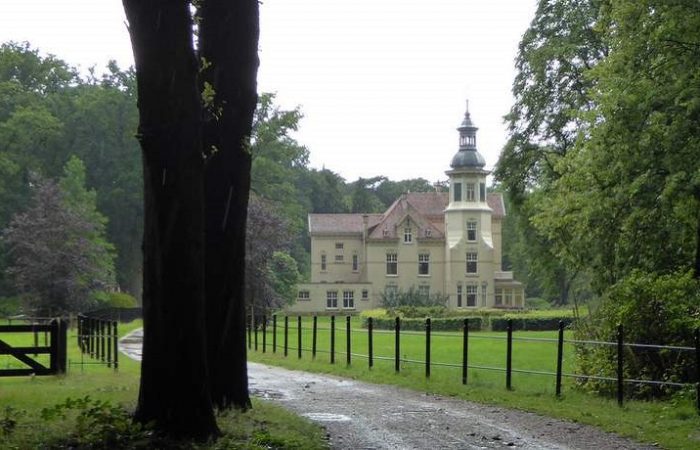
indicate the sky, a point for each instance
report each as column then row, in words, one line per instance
column 382, row 84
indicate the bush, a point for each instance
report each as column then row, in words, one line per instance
column 438, row 324
column 413, row 297
column 653, row 309
column 537, row 303
column 121, row 300
column 10, row 306
column 530, row 323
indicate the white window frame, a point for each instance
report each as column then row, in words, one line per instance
column 471, row 230
column 407, row 235
column 472, row 267
column 348, row 299
column 459, row 295
column 498, row 297
column 324, row 262
column 331, row 299
column 303, row 295
column 471, row 295
column 392, row 262
column 424, row 264
column 470, row 192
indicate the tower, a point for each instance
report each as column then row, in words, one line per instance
column 469, row 247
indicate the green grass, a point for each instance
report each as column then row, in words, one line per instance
column 671, row 424
column 23, row 398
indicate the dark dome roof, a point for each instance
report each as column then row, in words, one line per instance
column 468, row 159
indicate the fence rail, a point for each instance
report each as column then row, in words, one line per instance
column 98, row 339
column 55, row 339
column 260, row 323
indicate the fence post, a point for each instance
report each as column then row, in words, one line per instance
column 313, row 338
column 53, row 356
column 369, row 342
column 286, row 334
column 102, row 340
column 509, row 355
column 80, row 333
column 465, row 351
column 332, row 339
column 115, row 336
column 397, row 345
column 348, row 341
column 255, row 332
column 697, row 368
column 109, row 344
column 299, row 337
column 63, row 345
column 250, row 330
column 620, row 380
column 560, row 356
column 427, row 347
column 264, row 334
column 274, row 333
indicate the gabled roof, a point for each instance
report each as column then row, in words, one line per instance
column 425, row 209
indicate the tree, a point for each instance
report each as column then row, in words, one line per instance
column 59, row 253
column 174, row 392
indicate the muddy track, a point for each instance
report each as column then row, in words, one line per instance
column 360, row 415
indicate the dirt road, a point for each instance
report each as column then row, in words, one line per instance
column 360, row 415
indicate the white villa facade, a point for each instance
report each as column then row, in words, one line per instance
column 446, row 243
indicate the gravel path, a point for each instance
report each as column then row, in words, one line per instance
column 360, row 415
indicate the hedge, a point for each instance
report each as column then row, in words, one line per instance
column 530, row 323
column 437, row 324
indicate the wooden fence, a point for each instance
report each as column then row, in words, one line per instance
column 57, row 332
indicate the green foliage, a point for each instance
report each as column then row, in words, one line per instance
column 98, row 425
column 436, row 324
column 10, row 306
column 284, row 276
column 118, row 300
column 653, row 309
column 530, row 323
column 412, row 297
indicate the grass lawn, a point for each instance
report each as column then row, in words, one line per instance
column 22, row 400
column 671, row 424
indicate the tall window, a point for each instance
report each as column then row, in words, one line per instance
column 471, row 195
column 392, row 266
column 339, row 246
column 424, row 264
column 471, row 231
column 338, row 258
column 459, row 295
column 355, row 263
column 498, row 297
column 365, row 294
column 508, row 297
column 323, row 262
column 407, row 235
column 471, row 295
column 457, row 192
column 331, row 299
column 424, row 291
column 482, row 192
column 349, row 299
column 471, row 262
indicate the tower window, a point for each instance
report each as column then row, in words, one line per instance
column 471, row 262
column 471, row 231
column 482, row 192
column 471, row 195
column 457, row 192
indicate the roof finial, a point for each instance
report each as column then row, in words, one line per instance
column 467, row 106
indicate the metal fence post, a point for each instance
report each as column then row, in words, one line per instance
column 465, row 351
column 274, row 333
column 348, row 341
column 332, row 339
column 264, row 334
column 369, row 342
column 397, row 345
column 427, row 347
column 286, row 334
column 116, row 345
column 620, row 375
column 509, row 355
column 313, row 338
column 560, row 356
column 109, row 344
column 299, row 337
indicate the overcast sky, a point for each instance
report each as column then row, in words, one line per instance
column 382, row 83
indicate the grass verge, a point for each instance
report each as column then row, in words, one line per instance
column 26, row 404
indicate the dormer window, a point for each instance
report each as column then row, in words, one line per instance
column 407, row 235
column 385, row 233
column 428, row 232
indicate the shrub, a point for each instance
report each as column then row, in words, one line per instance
column 412, row 297
column 653, row 309
column 10, row 306
column 530, row 323
column 437, row 324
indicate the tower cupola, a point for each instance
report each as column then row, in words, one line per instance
column 468, row 156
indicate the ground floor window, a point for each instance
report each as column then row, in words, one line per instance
column 365, row 294
column 471, row 295
column 303, row 295
column 498, row 300
column 349, row 299
column 332, row 299
column 459, row 295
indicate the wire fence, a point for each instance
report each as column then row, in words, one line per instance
column 290, row 333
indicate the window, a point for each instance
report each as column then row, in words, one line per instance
column 339, row 245
column 303, row 296
column 355, row 263
column 471, row 262
column 349, row 299
column 424, row 291
column 331, row 299
column 392, row 266
column 459, row 295
column 407, row 235
column 498, row 301
column 457, row 192
column 428, row 232
column 471, row 295
column 508, row 297
column 385, row 233
column 517, row 297
column 339, row 258
column 365, row 294
column 470, row 192
column 390, row 292
column 471, row 231
column 323, row 263
column 482, row 192
column 484, row 285
column 424, row 264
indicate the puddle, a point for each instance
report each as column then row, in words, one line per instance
column 266, row 393
column 327, row 417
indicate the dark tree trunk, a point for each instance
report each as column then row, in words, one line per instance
column 228, row 42
column 174, row 393
column 696, row 272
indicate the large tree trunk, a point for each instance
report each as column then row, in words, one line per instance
column 174, row 394
column 228, row 42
